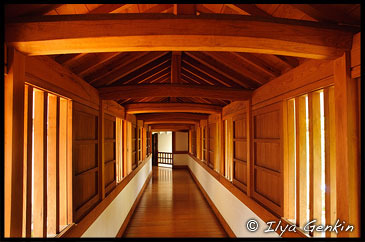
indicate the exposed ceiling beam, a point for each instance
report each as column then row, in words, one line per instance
column 173, row 90
column 50, row 35
column 164, row 116
column 172, row 121
column 136, row 108
column 170, row 127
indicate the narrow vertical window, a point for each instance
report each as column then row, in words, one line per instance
column 48, row 206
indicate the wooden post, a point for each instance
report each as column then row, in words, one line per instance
column 249, row 163
column 347, row 146
column 14, row 141
column 101, row 151
column 330, row 157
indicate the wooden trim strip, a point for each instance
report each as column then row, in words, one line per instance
column 94, row 169
column 78, row 229
column 131, row 211
column 29, row 161
column 45, row 159
column 255, row 207
column 219, row 216
column 85, row 141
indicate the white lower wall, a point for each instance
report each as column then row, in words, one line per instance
column 109, row 222
column 235, row 213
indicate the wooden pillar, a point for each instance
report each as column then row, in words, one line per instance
column 347, row 146
column 249, row 163
column 13, row 143
column 101, row 152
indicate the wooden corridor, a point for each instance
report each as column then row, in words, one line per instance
column 173, row 206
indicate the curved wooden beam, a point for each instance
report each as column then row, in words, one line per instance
column 171, row 108
column 173, row 90
column 50, row 35
column 172, row 121
column 164, row 116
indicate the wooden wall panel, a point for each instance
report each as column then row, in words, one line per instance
column 268, row 157
column 85, row 150
column 87, row 153
column 239, row 130
column 212, row 135
column 109, row 152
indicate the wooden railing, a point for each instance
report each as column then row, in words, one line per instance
column 164, row 158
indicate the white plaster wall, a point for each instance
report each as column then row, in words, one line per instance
column 181, row 141
column 231, row 208
column 109, row 222
column 165, row 142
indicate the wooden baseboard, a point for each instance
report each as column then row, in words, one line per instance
column 214, row 208
column 131, row 211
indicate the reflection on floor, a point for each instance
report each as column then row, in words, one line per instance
column 173, row 206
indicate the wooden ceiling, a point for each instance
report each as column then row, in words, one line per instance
column 235, row 70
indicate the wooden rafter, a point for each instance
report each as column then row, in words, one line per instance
column 137, row 108
column 105, row 67
column 47, row 35
column 107, row 8
column 199, row 76
column 163, row 116
column 259, row 64
column 128, row 68
column 194, row 64
column 158, row 8
column 112, row 64
column 237, row 63
column 146, row 75
column 94, row 63
column 251, row 9
column 68, row 60
column 173, row 90
column 221, row 68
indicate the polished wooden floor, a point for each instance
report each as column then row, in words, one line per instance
column 173, row 206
